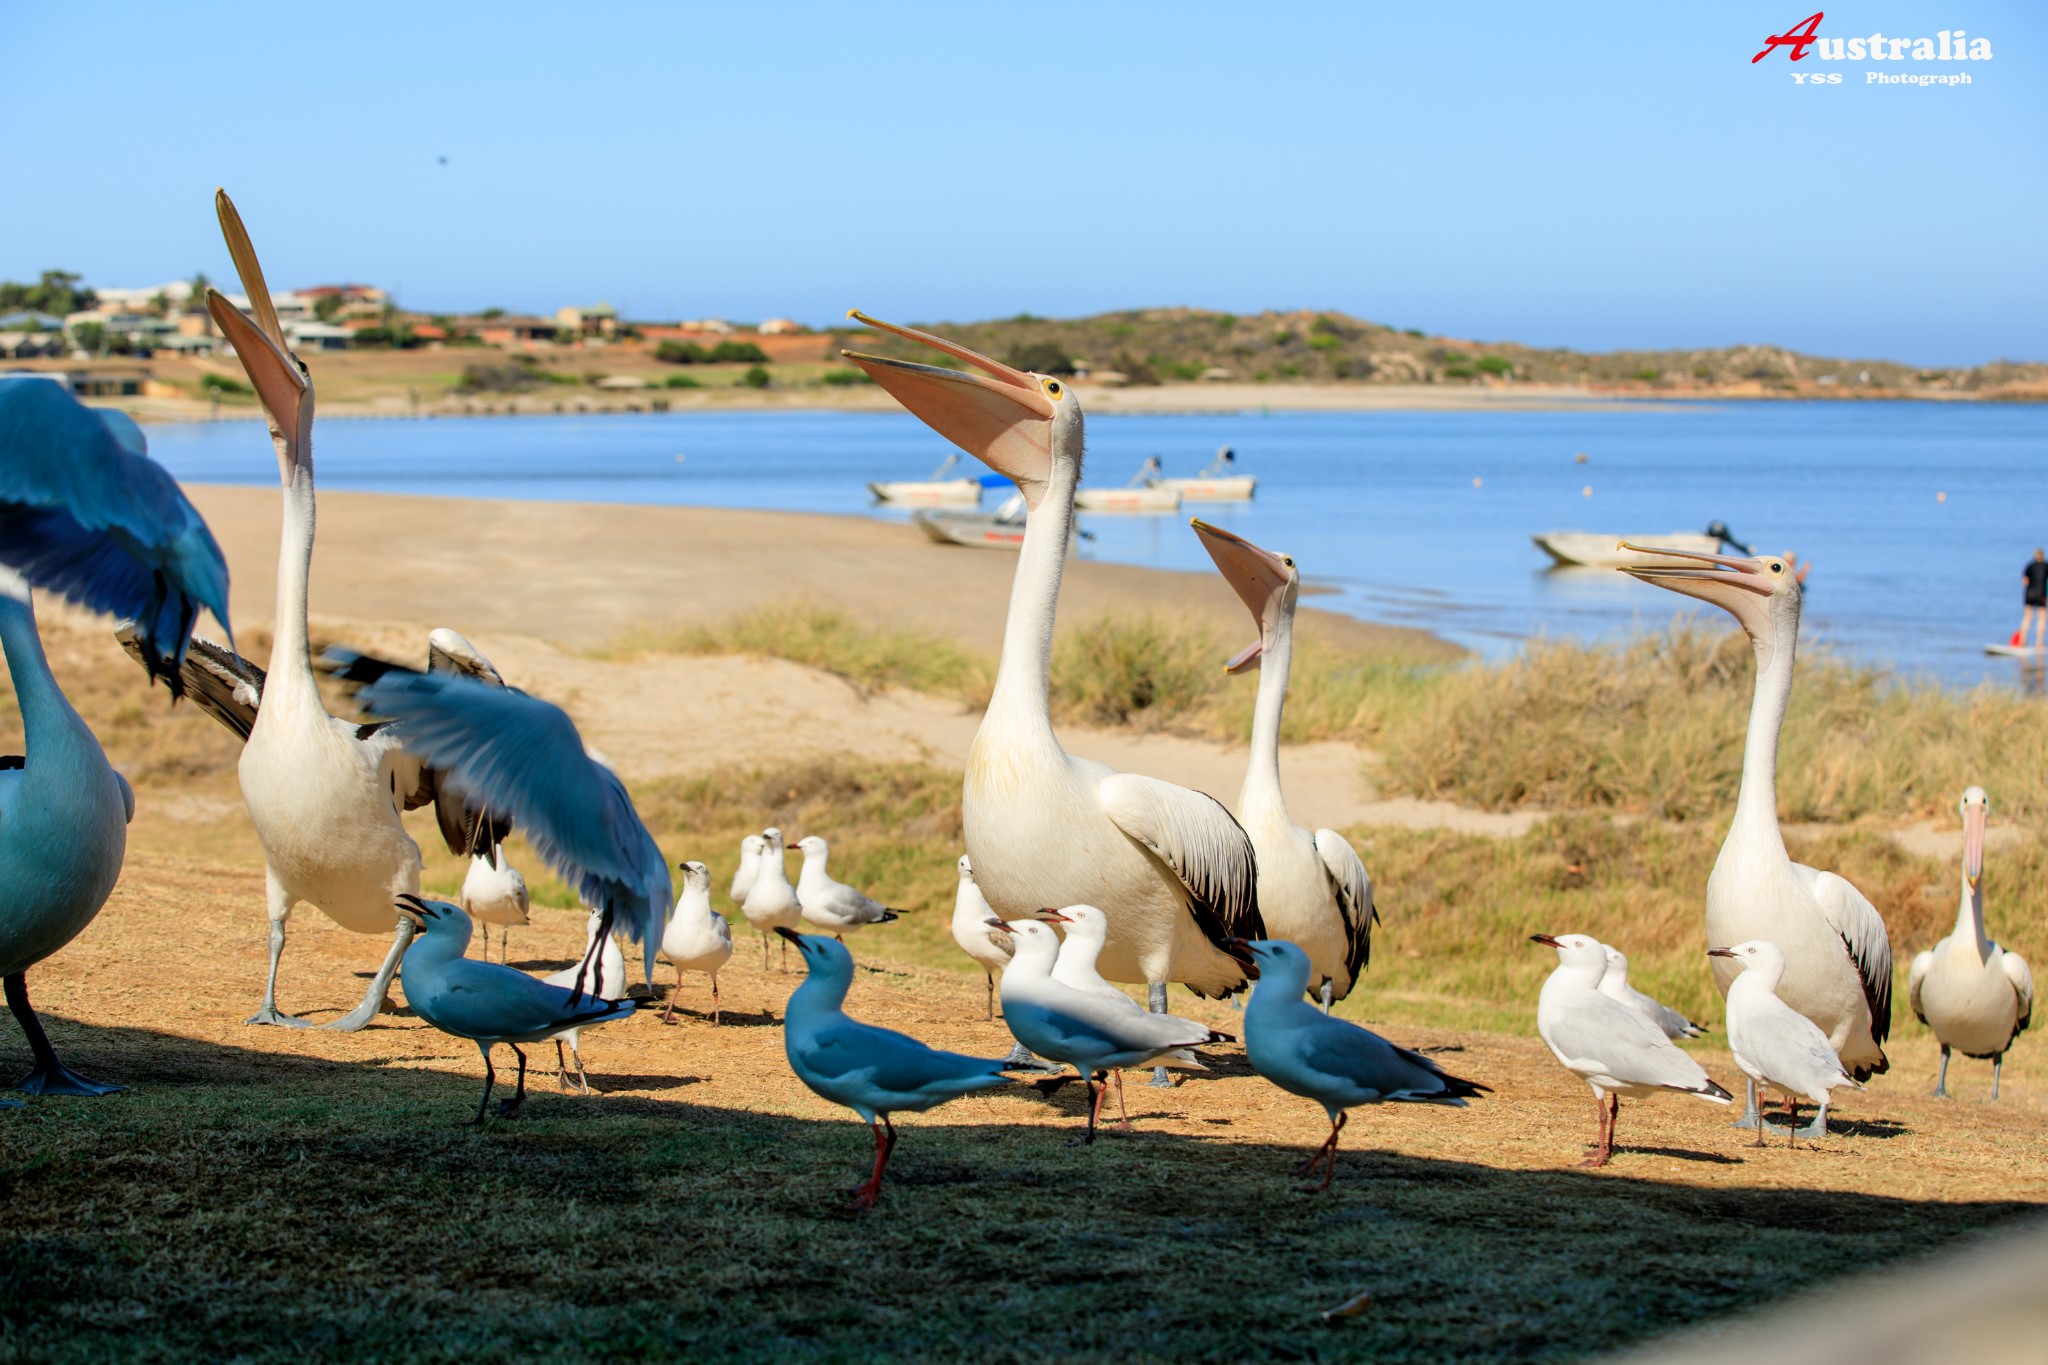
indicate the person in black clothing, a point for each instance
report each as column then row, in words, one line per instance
column 2036, row 612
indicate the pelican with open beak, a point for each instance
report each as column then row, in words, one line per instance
column 1313, row 887
column 1756, row 890
column 1169, row 867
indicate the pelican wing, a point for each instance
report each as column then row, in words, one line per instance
column 1922, row 964
column 219, row 681
column 1353, row 887
column 85, row 513
column 2015, row 968
column 484, row 1000
column 523, row 756
column 1870, row 948
column 1196, row 837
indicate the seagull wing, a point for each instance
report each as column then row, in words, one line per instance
column 1199, row 841
column 466, row 827
column 1353, row 888
column 523, row 756
column 484, row 1000
column 1870, row 948
column 1360, row 1057
column 893, row 1062
column 86, row 514
column 1594, row 1031
column 2015, row 968
column 219, row 681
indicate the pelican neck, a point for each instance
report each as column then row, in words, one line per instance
column 1021, row 696
column 1261, row 791
column 1756, row 803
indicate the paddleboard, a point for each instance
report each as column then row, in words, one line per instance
column 2013, row 651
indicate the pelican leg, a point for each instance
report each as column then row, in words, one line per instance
column 48, row 1076
column 1752, row 1115
column 380, row 985
column 866, row 1196
column 1020, row 1056
column 1817, row 1129
column 576, row 1056
column 1329, row 989
column 483, row 1105
column 1156, row 992
column 1941, row 1081
column 280, row 902
column 1997, row 1065
column 505, row 1107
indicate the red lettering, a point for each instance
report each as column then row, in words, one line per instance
column 1799, row 37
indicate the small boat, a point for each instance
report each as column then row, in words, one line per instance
column 936, row 490
column 1594, row 550
column 1214, row 484
column 1002, row 529
column 2012, row 651
column 1136, row 496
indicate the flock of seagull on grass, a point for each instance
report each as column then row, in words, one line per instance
column 1076, row 877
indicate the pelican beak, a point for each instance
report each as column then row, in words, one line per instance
column 280, row 381
column 1003, row 420
column 1260, row 578
column 1975, row 818
column 1734, row 583
column 1545, row 939
column 1720, row 952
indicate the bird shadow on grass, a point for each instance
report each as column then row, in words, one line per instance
column 191, row 1215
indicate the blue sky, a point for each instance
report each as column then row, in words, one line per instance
column 1593, row 176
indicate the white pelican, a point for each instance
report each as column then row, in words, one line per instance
column 494, row 892
column 697, row 939
column 971, row 916
column 83, row 513
column 1607, row 1044
column 1615, row 985
column 771, row 902
column 1170, row 867
column 610, row 985
column 484, row 1002
column 1975, row 995
column 1313, row 888
column 1838, row 958
column 833, row 906
column 1775, row 1045
column 1331, row 1061
column 875, row 1072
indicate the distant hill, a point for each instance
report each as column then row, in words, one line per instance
column 1189, row 345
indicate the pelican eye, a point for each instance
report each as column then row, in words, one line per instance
column 1052, row 388
column 1776, row 567
column 1288, row 560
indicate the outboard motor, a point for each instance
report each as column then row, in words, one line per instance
column 1719, row 531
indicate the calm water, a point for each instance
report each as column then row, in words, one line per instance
column 1379, row 507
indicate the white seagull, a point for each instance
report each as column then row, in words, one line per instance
column 83, row 513
column 494, row 892
column 1313, row 887
column 697, row 939
column 750, row 866
column 1331, row 1061
column 1838, row 958
column 484, row 1002
column 875, row 1072
column 1975, row 995
column 1607, row 1044
column 771, row 903
column 833, row 906
column 971, row 915
column 1087, row 1032
column 1615, row 984
column 1775, row 1045
column 609, row 985
column 1170, row 867
column 1085, row 930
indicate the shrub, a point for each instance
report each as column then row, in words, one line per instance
column 681, row 353
column 1413, row 332
column 1459, row 371
column 489, row 377
column 1325, row 341
column 680, row 381
column 739, row 353
column 756, row 378
column 1493, row 365
column 1039, row 357
column 842, row 378
column 220, row 385
column 1647, row 376
column 1133, row 369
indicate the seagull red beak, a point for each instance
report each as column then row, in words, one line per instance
column 1051, row 916
column 1720, row 952
column 1001, row 927
column 792, row 935
column 1544, row 939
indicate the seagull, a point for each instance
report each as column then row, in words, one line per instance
column 1174, row 872
column 875, row 1072
column 1974, row 994
column 610, row 985
column 971, row 915
column 494, row 892
column 697, row 939
column 1086, row 929
column 1087, row 1032
column 1838, row 956
column 750, row 866
column 85, row 514
column 484, row 1002
column 1313, row 887
column 1607, row 1044
column 523, row 756
column 1615, row 985
column 833, row 906
column 1331, row 1061
column 1775, row 1045
column 771, row 903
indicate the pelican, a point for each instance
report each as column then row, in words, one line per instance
column 1313, row 888
column 1838, row 958
column 84, row 513
column 1975, row 995
column 1170, row 867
